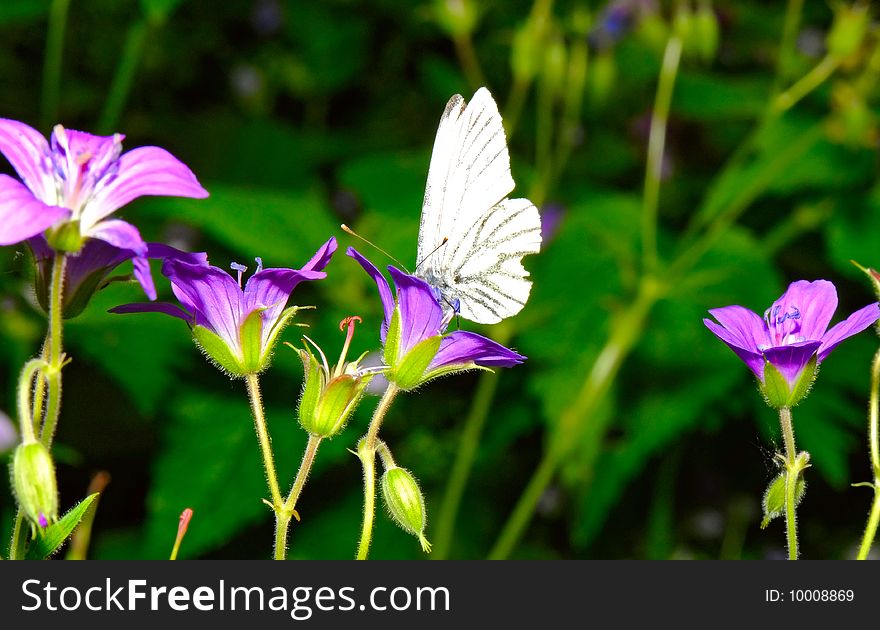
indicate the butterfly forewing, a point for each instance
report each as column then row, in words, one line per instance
column 486, row 235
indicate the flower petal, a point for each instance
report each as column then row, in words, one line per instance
column 21, row 214
column 27, row 150
column 855, row 323
column 157, row 307
column 790, row 360
column 752, row 358
column 144, row 275
column 143, row 171
column 120, row 234
column 161, row 250
column 322, row 256
column 812, row 304
column 420, row 313
column 382, row 284
column 744, row 328
column 466, row 347
column 270, row 289
column 211, row 295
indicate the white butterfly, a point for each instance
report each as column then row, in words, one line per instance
column 472, row 238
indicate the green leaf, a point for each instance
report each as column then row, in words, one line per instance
column 773, row 503
column 52, row 537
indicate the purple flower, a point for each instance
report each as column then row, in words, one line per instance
column 416, row 348
column 87, row 270
column 236, row 327
column 77, row 180
column 792, row 335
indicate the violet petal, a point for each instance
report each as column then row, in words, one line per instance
column 21, row 214
column 855, row 323
column 464, row 347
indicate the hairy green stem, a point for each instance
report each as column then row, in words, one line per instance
column 55, row 355
column 367, row 455
column 791, row 476
column 656, row 148
column 52, row 63
column 874, row 441
column 289, row 508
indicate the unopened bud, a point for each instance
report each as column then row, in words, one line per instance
column 33, row 479
column 848, row 29
column 405, row 503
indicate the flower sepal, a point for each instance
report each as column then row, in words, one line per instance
column 215, row 348
column 65, row 237
column 33, row 479
column 410, row 371
column 779, row 393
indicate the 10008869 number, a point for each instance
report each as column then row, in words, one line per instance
column 821, row 595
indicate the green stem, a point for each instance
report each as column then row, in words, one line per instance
column 465, row 456
column 516, row 99
column 367, row 455
column 52, row 63
column 656, row 147
column 626, row 331
column 791, row 477
column 289, row 509
column 809, row 82
column 874, row 441
column 124, row 78
column 25, row 383
column 787, row 44
column 256, row 401
column 470, row 63
column 55, row 355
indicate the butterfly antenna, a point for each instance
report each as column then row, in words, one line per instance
column 431, row 253
column 347, row 229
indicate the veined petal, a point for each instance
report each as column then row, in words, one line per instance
column 270, row 289
column 420, row 313
column 744, row 328
column 465, row 347
column 153, row 307
column 144, row 275
column 384, row 290
column 752, row 358
column 790, row 360
column 855, row 323
column 161, row 250
column 213, row 297
column 27, row 150
column 143, row 171
column 803, row 312
column 120, row 234
column 21, row 214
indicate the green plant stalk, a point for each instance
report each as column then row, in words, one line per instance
column 465, row 455
column 123, row 79
column 256, row 402
column 467, row 58
column 874, row 441
column 52, row 62
column 55, row 355
column 656, row 148
column 791, row 476
column 289, row 508
column 793, row 10
column 51, row 366
column 626, row 332
column 367, row 454
column 809, row 82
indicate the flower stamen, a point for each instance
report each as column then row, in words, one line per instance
column 240, row 269
column 349, row 322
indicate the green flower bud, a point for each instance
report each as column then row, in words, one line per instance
column 601, row 78
column 706, row 32
column 33, row 479
column 66, row 237
column 848, row 29
column 555, row 66
column 773, row 503
column 457, row 17
column 405, row 503
column 524, row 52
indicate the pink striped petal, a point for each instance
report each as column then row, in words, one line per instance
column 21, row 214
column 27, row 151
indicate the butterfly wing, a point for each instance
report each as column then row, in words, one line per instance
column 465, row 203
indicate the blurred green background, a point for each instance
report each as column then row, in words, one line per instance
column 298, row 116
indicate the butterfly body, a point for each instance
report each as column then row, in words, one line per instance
column 472, row 237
